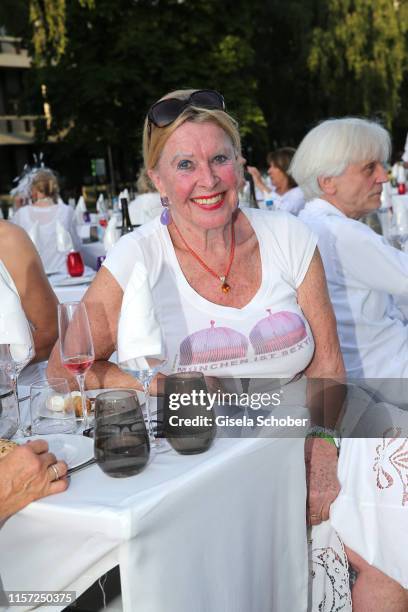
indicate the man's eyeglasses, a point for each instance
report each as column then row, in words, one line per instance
column 164, row 112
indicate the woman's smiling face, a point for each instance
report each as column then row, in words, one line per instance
column 198, row 171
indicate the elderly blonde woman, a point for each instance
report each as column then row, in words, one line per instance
column 255, row 277
column 40, row 219
column 340, row 167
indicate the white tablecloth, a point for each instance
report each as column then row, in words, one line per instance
column 74, row 293
column 90, row 253
column 219, row 532
column 73, row 290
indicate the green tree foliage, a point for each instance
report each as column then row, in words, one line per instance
column 14, row 18
column 48, row 20
column 357, row 52
column 285, row 92
column 282, row 66
column 113, row 59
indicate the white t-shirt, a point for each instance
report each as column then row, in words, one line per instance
column 368, row 283
column 46, row 242
column 269, row 337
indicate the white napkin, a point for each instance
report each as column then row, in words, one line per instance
column 400, row 217
column 34, row 234
column 79, row 210
column 386, row 195
column 401, row 174
column 100, row 204
column 14, row 327
column 120, row 196
column 138, row 330
column 111, row 235
column 64, row 240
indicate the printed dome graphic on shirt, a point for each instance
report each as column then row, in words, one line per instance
column 277, row 332
column 212, row 344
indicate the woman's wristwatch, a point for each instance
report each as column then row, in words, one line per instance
column 331, row 435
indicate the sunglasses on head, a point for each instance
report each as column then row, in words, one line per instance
column 164, row 112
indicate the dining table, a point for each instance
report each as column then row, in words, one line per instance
column 71, row 289
column 219, row 531
column 91, row 251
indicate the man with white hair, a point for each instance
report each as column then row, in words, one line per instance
column 340, row 168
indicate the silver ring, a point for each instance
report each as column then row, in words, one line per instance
column 55, row 470
column 314, row 516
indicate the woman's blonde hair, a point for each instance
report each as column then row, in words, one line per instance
column 46, row 182
column 143, row 183
column 155, row 138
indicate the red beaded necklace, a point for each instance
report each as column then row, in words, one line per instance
column 225, row 287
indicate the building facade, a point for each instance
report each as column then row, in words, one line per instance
column 17, row 131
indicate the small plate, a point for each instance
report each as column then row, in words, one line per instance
column 71, row 448
column 73, row 280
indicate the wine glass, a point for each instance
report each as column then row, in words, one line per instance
column 51, row 407
column 145, row 368
column 76, row 346
column 120, row 438
column 13, row 359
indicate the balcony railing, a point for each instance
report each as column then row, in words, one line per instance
column 12, row 54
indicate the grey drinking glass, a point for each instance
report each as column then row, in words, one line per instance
column 9, row 419
column 189, row 423
column 121, row 441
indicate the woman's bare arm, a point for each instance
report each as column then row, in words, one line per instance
column 313, row 298
column 326, row 392
column 103, row 302
column 258, row 180
column 37, row 297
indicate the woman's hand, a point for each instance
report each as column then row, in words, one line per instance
column 254, row 172
column 321, row 475
column 28, row 473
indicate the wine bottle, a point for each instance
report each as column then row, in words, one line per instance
column 126, row 223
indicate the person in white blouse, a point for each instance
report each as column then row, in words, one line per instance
column 339, row 166
column 39, row 219
column 285, row 195
column 147, row 204
column 340, row 169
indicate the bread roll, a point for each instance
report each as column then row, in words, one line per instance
column 76, row 398
column 6, row 446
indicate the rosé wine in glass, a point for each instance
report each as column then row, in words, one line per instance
column 76, row 346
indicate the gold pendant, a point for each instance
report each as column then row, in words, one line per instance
column 225, row 286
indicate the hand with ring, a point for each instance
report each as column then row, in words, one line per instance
column 27, row 473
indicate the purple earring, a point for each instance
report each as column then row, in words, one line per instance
column 165, row 217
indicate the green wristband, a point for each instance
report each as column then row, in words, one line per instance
column 323, row 436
